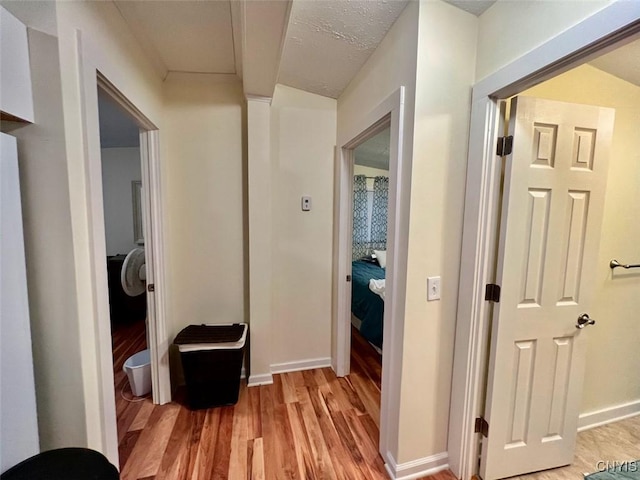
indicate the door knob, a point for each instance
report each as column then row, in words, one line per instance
column 584, row 320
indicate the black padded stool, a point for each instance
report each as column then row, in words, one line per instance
column 64, row 464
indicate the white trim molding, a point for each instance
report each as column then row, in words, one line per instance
column 607, row 415
column 416, row 468
column 158, row 330
column 297, row 366
column 301, row 365
column 262, row 379
column 595, row 35
column 85, row 177
column 258, row 98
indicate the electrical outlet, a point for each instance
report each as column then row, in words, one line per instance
column 306, row 203
column 433, row 288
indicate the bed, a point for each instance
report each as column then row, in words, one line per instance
column 367, row 306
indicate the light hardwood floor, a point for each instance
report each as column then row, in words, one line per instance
column 307, row 425
column 614, row 443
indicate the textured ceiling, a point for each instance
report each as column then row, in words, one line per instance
column 326, row 43
column 374, row 152
column 624, row 62
column 329, row 40
column 183, row 35
column 476, row 7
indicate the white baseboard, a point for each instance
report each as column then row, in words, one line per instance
column 417, row 468
column 264, row 379
column 608, row 415
column 267, row 378
column 301, row 365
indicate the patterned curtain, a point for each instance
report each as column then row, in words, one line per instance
column 360, row 224
column 379, row 214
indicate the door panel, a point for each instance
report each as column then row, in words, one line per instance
column 551, row 218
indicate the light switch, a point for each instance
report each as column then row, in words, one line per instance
column 306, row 204
column 433, row 288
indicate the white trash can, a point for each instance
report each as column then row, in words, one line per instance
column 138, row 370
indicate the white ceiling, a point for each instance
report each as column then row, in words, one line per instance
column 623, row 62
column 476, row 7
column 313, row 45
column 328, row 41
column 374, row 152
column 184, row 35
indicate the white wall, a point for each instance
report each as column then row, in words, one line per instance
column 16, row 98
column 613, row 358
column 303, row 136
column 369, row 171
column 37, row 14
column 203, row 152
column 120, row 166
column 445, row 73
column 509, row 29
column 392, row 65
column 18, row 415
column 49, row 253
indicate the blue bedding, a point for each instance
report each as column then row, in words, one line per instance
column 365, row 304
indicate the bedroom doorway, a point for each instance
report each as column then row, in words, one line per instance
column 369, row 203
column 383, row 125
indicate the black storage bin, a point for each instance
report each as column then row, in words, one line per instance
column 212, row 360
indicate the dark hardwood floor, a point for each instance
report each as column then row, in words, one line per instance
column 307, row 425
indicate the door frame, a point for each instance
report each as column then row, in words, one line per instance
column 153, row 239
column 604, row 31
column 97, row 358
column 389, row 112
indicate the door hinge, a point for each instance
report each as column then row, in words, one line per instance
column 492, row 293
column 151, row 287
column 505, row 146
column 348, row 278
column 481, row 426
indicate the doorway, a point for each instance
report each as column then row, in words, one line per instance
column 388, row 115
column 474, row 313
column 97, row 70
column 370, row 200
column 552, row 209
column 122, row 187
column 607, row 398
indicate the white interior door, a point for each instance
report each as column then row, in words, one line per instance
column 551, row 218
